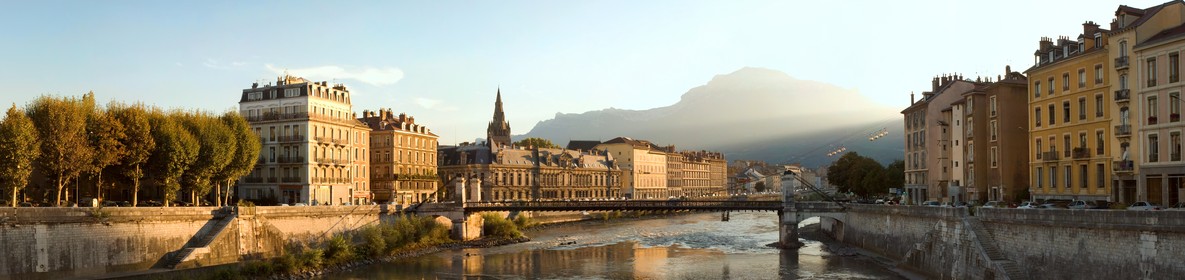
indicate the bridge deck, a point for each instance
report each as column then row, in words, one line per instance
column 632, row 205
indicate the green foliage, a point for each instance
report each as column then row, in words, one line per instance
column 498, row 227
column 138, row 143
column 61, row 125
column 860, row 175
column 311, row 258
column 338, row 250
column 215, row 150
column 176, row 150
column 246, row 151
column 105, row 133
column 524, row 222
column 536, row 142
column 19, row 148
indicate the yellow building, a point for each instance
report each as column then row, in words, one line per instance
column 1069, row 123
column 403, row 158
column 644, row 166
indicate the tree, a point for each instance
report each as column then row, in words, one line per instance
column 246, row 153
column 895, row 173
column 536, row 142
column 176, row 149
column 137, row 142
column 214, row 152
column 61, row 125
column 105, row 133
column 19, row 147
column 857, row 174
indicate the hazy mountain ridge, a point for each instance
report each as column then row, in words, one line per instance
column 752, row 113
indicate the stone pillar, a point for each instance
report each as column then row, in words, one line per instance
column 475, row 189
column 468, row 227
column 788, row 229
column 459, row 190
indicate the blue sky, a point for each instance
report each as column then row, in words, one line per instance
column 441, row 61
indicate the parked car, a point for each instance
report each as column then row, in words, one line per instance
column 1143, row 206
column 1050, row 205
column 931, row 203
column 992, row 204
column 1082, row 204
column 1027, row 205
column 1180, row 206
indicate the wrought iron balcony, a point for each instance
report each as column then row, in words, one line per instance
column 1123, row 130
column 1051, row 156
column 1123, row 166
column 1081, row 153
column 1122, row 95
column 1120, row 62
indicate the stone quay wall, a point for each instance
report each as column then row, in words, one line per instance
column 944, row 243
column 57, row 243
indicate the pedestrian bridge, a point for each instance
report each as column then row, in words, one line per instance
column 466, row 218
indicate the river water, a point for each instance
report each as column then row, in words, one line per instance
column 693, row 246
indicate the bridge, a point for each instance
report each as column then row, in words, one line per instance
column 466, row 216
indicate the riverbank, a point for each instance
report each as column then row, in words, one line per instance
column 838, row 248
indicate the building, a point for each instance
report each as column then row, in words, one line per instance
column 927, row 140
column 313, row 150
column 1070, row 126
column 689, row 173
column 403, row 158
column 644, row 166
column 993, row 125
column 507, row 172
column 1147, row 89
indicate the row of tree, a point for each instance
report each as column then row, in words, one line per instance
column 865, row 176
column 63, row 140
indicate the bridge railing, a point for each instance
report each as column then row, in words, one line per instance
column 674, row 204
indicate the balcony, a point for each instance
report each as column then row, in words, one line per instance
column 1152, row 120
column 1175, row 156
column 271, row 179
column 1174, row 117
column 1153, row 157
column 290, row 179
column 1123, row 166
column 290, row 159
column 1081, row 153
column 292, row 138
column 1121, row 62
column 1151, row 82
column 1122, row 95
column 253, row 179
column 277, row 117
column 1123, row 130
column 1051, row 156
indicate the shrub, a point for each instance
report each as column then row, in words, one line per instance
column 311, row 258
column 338, row 250
column 496, row 226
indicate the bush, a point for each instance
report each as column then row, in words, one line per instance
column 338, row 250
column 311, row 258
column 523, row 222
column 496, row 226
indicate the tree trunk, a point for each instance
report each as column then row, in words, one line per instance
column 14, row 197
column 98, row 186
column 58, row 202
column 136, row 187
column 228, row 192
column 218, row 194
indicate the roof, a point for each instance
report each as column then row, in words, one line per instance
column 1166, row 35
column 583, row 145
column 543, row 157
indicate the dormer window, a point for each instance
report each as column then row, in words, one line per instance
column 1098, row 40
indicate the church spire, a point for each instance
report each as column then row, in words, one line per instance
column 498, row 133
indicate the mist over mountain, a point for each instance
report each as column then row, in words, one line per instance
column 752, row 113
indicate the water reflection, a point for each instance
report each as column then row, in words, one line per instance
column 697, row 246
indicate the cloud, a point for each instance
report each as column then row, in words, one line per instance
column 433, row 104
column 371, row 75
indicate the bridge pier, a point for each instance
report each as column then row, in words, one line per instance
column 788, row 229
column 468, row 227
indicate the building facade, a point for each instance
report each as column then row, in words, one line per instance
column 644, row 166
column 313, row 151
column 507, row 172
column 927, row 140
column 403, row 158
column 1070, row 126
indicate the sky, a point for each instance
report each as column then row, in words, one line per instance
column 443, row 61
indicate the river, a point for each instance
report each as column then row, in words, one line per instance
column 693, row 246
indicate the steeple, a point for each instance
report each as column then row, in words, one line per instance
column 498, row 133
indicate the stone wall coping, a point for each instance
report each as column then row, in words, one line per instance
column 949, row 213
column 1173, row 221
column 315, row 211
column 35, row 215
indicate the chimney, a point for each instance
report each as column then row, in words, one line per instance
column 1044, row 45
column 1089, row 28
column 911, row 101
column 933, row 84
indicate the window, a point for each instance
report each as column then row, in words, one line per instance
column 1100, row 142
column 1065, row 81
column 1066, row 141
column 1175, row 146
column 1123, row 81
column 1065, row 112
column 994, row 130
column 1098, row 74
column 1053, row 176
column 1082, row 108
column 1081, row 78
column 993, row 157
column 1052, row 115
column 1037, row 116
column 1175, row 107
column 1100, row 175
column 1039, row 178
column 1083, row 177
column 1098, row 105
column 992, row 105
column 1152, row 110
column 1153, row 148
column 1039, row 147
column 1174, row 68
column 1052, row 86
column 1037, row 89
column 1066, row 183
column 1151, row 64
column 291, row 92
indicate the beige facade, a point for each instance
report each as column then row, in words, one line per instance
column 644, row 166
column 403, row 158
column 927, row 137
column 313, row 151
column 689, row 173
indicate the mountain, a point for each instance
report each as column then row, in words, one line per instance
column 753, row 113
